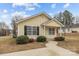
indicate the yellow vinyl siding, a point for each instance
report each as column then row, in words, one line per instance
column 36, row 21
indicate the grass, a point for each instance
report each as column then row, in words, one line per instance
column 72, row 36
column 71, row 42
column 70, row 45
column 8, row 45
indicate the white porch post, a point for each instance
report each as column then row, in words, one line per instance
column 56, row 31
column 61, row 31
column 44, row 30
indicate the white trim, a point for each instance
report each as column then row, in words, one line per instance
column 53, row 20
column 58, row 22
column 32, row 30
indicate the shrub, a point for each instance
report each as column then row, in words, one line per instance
column 41, row 39
column 22, row 39
column 31, row 40
column 59, row 38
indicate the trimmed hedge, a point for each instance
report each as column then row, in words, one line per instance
column 41, row 39
column 22, row 39
column 59, row 38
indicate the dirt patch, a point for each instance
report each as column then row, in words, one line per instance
column 70, row 45
column 9, row 45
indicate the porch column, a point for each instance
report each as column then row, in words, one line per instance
column 56, row 31
column 44, row 30
column 61, row 31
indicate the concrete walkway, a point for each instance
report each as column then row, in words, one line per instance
column 52, row 46
column 33, row 52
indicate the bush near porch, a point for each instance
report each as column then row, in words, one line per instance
column 60, row 38
column 23, row 39
column 41, row 39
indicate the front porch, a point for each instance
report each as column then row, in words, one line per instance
column 50, row 32
column 51, row 29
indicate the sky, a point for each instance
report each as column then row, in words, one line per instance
column 8, row 10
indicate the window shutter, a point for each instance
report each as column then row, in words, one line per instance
column 37, row 30
column 57, row 30
column 25, row 30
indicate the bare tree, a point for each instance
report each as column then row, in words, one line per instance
column 14, row 25
column 66, row 18
column 4, row 29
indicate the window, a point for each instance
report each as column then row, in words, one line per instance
column 51, row 31
column 32, row 30
column 29, row 30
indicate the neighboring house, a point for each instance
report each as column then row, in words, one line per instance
column 4, row 29
column 39, row 25
column 66, row 30
column 73, row 29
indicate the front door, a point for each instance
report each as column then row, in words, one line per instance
column 51, row 31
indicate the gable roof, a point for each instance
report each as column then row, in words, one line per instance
column 49, row 17
column 58, row 22
column 53, row 24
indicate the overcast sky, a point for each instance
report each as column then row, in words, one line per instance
column 7, row 10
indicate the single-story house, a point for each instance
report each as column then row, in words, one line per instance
column 39, row 25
